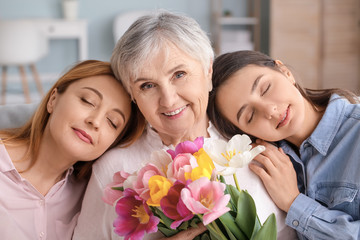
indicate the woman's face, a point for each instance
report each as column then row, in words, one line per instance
column 262, row 102
column 87, row 118
column 172, row 91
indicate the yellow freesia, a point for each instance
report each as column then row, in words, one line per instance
column 159, row 187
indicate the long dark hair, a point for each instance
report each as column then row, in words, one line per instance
column 227, row 64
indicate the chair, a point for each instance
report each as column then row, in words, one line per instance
column 21, row 44
column 123, row 21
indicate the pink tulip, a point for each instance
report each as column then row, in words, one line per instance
column 173, row 207
column 141, row 185
column 187, row 147
column 181, row 167
column 111, row 191
column 206, row 197
column 134, row 217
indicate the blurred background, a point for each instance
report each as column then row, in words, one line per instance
column 318, row 39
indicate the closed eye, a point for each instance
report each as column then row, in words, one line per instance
column 86, row 101
column 112, row 124
column 252, row 116
column 267, row 89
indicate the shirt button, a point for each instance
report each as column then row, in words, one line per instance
column 41, row 234
column 41, row 202
column 295, row 223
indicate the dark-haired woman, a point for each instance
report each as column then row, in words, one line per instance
column 318, row 130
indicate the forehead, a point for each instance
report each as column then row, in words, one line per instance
column 166, row 58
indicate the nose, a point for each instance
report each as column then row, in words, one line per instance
column 94, row 119
column 168, row 95
column 269, row 110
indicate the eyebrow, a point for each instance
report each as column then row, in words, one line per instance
column 101, row 97
column 95, row 91
column 254, row 86
column 168, row 72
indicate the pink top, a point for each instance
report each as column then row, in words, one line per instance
column 27, row 214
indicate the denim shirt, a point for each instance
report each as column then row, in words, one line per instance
column 328, row 173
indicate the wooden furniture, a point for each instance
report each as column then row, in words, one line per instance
column 23, row 42
column 319, row 39
column 235, row 28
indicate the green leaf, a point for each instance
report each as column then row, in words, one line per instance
column 246, row 214
column 234, row 194
column 205, row 236
column 229, row 223
column 268, row 230
column 167, row 231
column 167, row 221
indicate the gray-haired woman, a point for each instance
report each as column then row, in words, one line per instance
column 165, row 62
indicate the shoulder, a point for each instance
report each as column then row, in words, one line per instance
column 127, row 159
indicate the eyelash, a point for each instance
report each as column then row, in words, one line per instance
column 176, row 75
column 112, row 124
column 267, row 89
column 145, row 86
column 86, row 101
column 262, row 94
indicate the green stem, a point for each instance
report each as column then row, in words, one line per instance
column 217, row 230
column 213, row 227
column 236, row 182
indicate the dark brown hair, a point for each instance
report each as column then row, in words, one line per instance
column 32, row 132
column 227, row 64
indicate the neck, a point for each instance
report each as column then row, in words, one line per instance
column 197, row 130
column 49, row 167
column 311, row 120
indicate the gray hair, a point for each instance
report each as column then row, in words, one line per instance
column 150, row 33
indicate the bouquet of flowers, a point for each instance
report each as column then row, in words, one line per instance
column 180, row 188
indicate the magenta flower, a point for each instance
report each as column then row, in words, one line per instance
column 206, row 197
column 134, row 217
column 112, row 191
column 173, row 207
column 187, row 147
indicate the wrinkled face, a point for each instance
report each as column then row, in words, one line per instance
column 87, row 118
column 262, row 102
column 172, row 91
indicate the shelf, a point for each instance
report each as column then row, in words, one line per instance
column 238, row 21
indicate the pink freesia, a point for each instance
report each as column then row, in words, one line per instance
column 187, row 147
column 134, row 217
column 181, row 167
column 173, row 207
column 206, row 197
column 141, row 185
column 112, row 191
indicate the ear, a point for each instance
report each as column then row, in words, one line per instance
column 52, row 100
column 209, row 76
column 285, row 71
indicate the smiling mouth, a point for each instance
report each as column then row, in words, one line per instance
column 284, row 118
column 83, row 135
column 176, row 112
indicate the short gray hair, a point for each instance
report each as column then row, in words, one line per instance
column 150, row 33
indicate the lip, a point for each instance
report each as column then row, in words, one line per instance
column 83, row 135
column 283, row 121
column 175, row 113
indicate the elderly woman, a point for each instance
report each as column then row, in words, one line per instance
column 165, row 63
